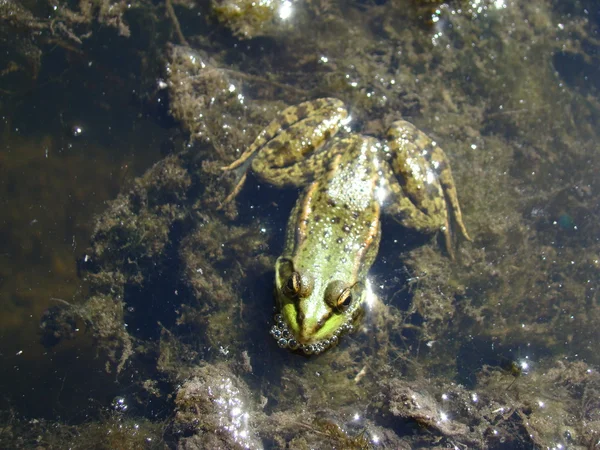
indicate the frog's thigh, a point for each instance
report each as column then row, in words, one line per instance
column 269, row 166
column 317, row 109
column 289, row 176
column 402, row 209
column 410, row 142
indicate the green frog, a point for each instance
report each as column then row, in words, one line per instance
column 334, row 229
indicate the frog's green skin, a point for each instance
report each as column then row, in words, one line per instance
column 334, row 229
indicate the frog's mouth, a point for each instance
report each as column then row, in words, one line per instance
column 285, row 338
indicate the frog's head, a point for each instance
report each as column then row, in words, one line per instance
column 314, row 310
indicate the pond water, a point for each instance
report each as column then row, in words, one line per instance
column 137, row 302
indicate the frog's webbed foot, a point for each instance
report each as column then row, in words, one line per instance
column 425, row 189
column 440, row 160
column 236, row 190
column 240, row 169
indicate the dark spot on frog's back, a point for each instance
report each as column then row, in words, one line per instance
column 331, row 202
column 335, row 220
column 278, row 145
column 301, row 112
column 346, row 228
column 317, row 219
column 355, row 215
column 339, row 240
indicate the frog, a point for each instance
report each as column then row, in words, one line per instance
column 333, row 233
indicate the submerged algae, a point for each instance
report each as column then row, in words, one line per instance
column 496, row 104
column 28, row 33
column 112, row 433
column 247, row 18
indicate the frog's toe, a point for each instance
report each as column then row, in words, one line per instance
column 458, row 220
column 235, row 164
column 236, row 190
column 463, row 231
column 448, row 240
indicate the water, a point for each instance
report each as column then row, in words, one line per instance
column 168, row 299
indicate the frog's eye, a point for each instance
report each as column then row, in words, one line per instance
column 298, row 285
column 338, row 295
column 292, row 285
column 344, row 300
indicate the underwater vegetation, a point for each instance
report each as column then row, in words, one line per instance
column 493, row 349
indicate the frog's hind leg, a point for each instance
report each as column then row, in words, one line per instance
column 439, row 159
column 404, row 211
column 285, row 142
column 424, row 184
column 287, row 118
column 283, row 121
column 238, row 187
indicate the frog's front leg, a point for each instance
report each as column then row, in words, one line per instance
column 428, row 193
column 283, row 153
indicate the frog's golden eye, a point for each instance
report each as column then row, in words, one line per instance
column 338, row 295
column 298, row 285
column 292, row 285
column 344, row 300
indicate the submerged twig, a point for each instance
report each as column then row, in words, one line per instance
column 173, row 17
